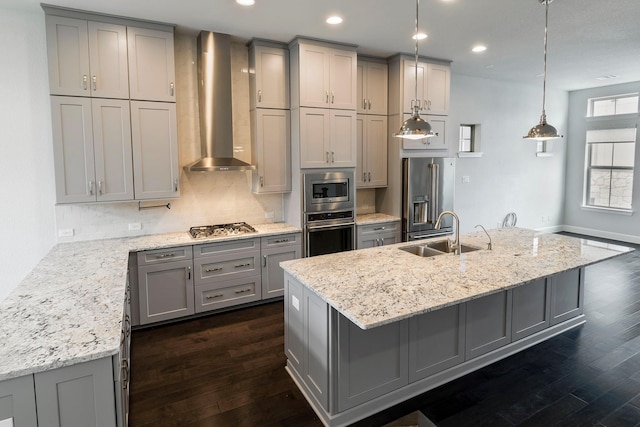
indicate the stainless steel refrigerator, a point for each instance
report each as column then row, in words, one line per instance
column 427, row 190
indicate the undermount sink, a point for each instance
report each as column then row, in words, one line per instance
column 437, row 248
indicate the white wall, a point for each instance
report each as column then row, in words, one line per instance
column 509, row 177
column 601, row 224
column 26, row 154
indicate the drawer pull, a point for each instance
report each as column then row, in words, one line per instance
column 242, row 291
column 281, row 241
column 167, row 255
column 211, row 270
column 379, row 228
column 214, row 296
column 242, row 265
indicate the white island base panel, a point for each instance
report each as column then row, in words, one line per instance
column 347, row 373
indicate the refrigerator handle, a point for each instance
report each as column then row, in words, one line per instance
column 434, row 206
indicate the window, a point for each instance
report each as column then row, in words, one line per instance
column 466, row 139
column 613, row 105
column 610, row 165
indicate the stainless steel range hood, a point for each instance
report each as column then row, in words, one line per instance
column 214, row 96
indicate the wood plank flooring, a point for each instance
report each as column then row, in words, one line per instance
column 228, row 370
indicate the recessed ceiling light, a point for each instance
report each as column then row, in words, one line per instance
column 479, row 48
column 246, row 2
column 419, row 36
column 334, row 20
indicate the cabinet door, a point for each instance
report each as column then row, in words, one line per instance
column 371, row 362
column 438, row 142
column 530, row 309
column 18, row 402
column 216, row 295
column 342, row 79
column 390, row 238
column 361, row 92
column 271, row 77
column 488, row 323
column 369, row 241
column 81, row 395
column 68, row 56
column 151, row 65
column 567, row 295
column 437, row 92
column 343, row 138
column 376, row 82
column 73, row 149
column 294, row 333
column 108, row 60
column 409, row 85
column 272, row 147
column 436, row 341
column 165, row 291
column 376, row 151
column 112, row 147
column 272, row 274
column 361, row 148
column 155, row 150
column 315, row 138
column 314, row 76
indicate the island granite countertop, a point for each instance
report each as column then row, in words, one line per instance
column 69, row 308
column 381, row 285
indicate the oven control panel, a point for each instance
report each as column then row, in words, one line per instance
column 327, row 216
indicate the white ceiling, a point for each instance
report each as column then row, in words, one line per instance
column 587, row 38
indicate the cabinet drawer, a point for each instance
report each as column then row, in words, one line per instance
column 164, row 255
column 281, row 240
column 222, row 248
column 226, row 267
column 383, row 227
column 217, row 295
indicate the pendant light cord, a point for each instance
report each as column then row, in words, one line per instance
column 544, row 79
column 416, row 106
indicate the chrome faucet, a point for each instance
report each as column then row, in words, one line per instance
column 455, row 244
column 489, row 245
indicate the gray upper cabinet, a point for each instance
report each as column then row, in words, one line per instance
column 269, row 75
column 372, row 87
column 155, row 150
column 271, row 150
column 92, row 149
column 151, row 65
column 87, row 58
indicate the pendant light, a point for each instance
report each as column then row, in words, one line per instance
column 415, row 127
column 544, row 131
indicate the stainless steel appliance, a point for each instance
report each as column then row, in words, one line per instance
column 427, row 190
column 221, row 230
column 329, row 212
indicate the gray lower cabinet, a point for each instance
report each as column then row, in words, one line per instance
column 436, row 341
column 276, row 249
column 18, row 402
column 371, row 235
column 488, row 323
column 76, row 396
column 531, row 308
column 567, row 295
column 371, row 362
column 165, row 286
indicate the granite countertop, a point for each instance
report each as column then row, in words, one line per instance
column 69, row 309
column 374, row 218
column 377, row 286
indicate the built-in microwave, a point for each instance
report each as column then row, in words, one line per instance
column 328, row 191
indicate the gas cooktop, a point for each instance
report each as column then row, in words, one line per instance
column 221, row 230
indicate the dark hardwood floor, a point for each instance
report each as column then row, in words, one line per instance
column 228, row 370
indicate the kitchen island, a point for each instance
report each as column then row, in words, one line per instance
column 368, row 329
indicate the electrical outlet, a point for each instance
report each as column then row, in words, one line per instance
column 466, row 179
column 135, row 226
column 268, row 215
column 65, row 232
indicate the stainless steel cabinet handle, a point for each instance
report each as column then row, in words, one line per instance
column 242, row 291
column 281, row 241
column 171, row 88
column 326, row 96
column 90, row 187
column 327, row 156
column 100, row 187
column 333, row 97
column 262, row 181
column 214, row 296
column 377, row 242
column 369, row 103
column 212, row 270
column 260, row 95
column 188, row 273
column 167, row 255
column 242, row 265
column 429, row 105
column 382, row 241
column 369, row 176
column 84, row 82
column 175, row 185
column 333, row 157
column 94, row 81
column 364, row 176
column 379, row 228
column 264, row 259
column 364, row 104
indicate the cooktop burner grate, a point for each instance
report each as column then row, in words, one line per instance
column 221, row 230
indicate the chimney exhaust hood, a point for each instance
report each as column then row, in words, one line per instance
column 215, row 105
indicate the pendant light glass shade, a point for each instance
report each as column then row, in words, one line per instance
column 543, row 131
column 415, row 127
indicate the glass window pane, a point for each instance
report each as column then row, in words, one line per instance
column 627, row 105
column 465, row 145
column 465, row 132
column 612, row 135
column 601, row 154
column 599, row 188
column 603, row 107
column 621, row 188
column 623, row 154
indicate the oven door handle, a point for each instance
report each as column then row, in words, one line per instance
column 324, row 227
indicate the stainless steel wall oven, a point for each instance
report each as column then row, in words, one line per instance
column 329, row 212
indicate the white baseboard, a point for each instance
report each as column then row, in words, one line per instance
column 552, row 229
column 602, row 234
